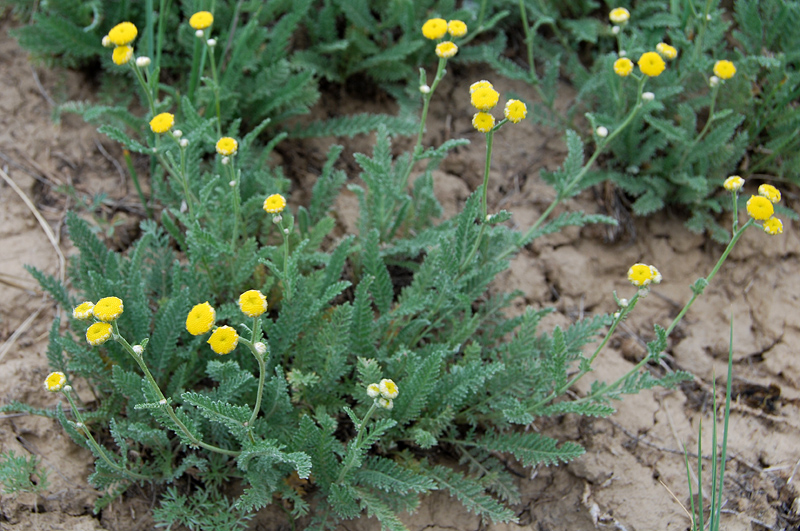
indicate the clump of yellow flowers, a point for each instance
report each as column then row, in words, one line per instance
column 106, row 311
column 436, row 28
column 224, row 339
column 484, row 98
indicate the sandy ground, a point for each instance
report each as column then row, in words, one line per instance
column 634, row 459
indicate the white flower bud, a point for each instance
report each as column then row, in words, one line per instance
column 373, row 391
column 67, row 389
column 138, row 350
column 163, row 402
column 177, row 133
column 231, row 183
column 425, row 89
column 648, row 96
column 199, row 33
column 277, row 219
column 261, row 348
column 142, row 62
column 622, row 53
column 107, row 42
column 225, row 161
column 184, row 142
column 615, row 30
column 708, row 17
column 286, row 230
column 713, row 81
column 616, row 315
column 601, row 131
column 79, row 425
column 211, row 42
column 385, row 403
column 623, row 303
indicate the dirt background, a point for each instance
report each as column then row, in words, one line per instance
column 632, row 476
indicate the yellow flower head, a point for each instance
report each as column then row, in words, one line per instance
column 434, row 28
column 385, row 403
column 108, row 308
column 724, row 69
column 55, row 382
column 227, row 146
column 480, row 84
column 619, row 15
column 515, row 111
column 666, row 51
column 201, row 20
column 483, row 122
column 200, row 319
column 83, row 311
column 161, row 123
column 733, row 183
column 275, row 204
column 623, row 66
column 122, row 34
column 446, row 50
column 373, row 391
column 759, row 208
column 456, row 28
column 484, row 98
column 651, row 64
column 223, row 340
column 252, row 303
column 770, row 192
column 640, row 275
column 98, row 333
column 388, row 389
column 122, row 55
column 773, row 226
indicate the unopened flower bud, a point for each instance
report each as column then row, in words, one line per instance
column 425, row 89
column 163, row 402
column 184, row 142
column 211, row 42
column 199, row 33
column 138, row 349
column 107, row 42
column 616, row 315
column 67, row 389
column 225, row 161
column 142, row 62
column 177, row 133
column 713, row 81
column 602, row 132
column 622, row 53
column 286, row 230
column 648, row 96
column 261, row 348
column 615, row 30
column 231, row 183
column 623, row 303
column 277, row 219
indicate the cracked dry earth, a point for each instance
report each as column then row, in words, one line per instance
column 632, row 475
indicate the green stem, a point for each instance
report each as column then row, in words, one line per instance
column 162, row 15
column 135, row 177
column 147, row 92
column 261, row 375
column 528, row 39
column 237, row 215
column 361, row 429
column 197, row 65
column 727, row 417
column 426, row 100
column 213, row 59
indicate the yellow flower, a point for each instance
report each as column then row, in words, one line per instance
column 223, row 340
column 252, row 303
column 201, row 20
column 770, row 192
column 161, row 123
column 483, row 122
column 759, row 208
column 733, row 183
column 121, row 55
column 200, row 319
column 227, row 146
column 724, row 69
column 275, row 204
column 484, row 98
column 651, row 64
column 666, row 51
column 640, row 275
column 434, row 28
column 619, row 15
column 515, row 111
column 388, row 389
column 480, row 84
column 108, row 308
column 55, row 382
column 773, row 226
column 446, row 50
column 98, row 333
column 83, row 311
column 123, row 33
column 385, row 403
column 373, row 390
column 623, row 66
column 456, row 28
column 655, row 275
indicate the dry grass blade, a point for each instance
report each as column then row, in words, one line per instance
column 21, row 329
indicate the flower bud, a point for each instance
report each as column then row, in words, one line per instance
column 648, row 96
column 199, row 33
column 261, row 348
column 622, row 53
column 601, row 131
column 138, row 349
column 225, row 161
column 142, row 62
column 615, row 30
column 184, row 142
column 425, row 89
column 713, row 81
column 177, row 133
column 211, row 42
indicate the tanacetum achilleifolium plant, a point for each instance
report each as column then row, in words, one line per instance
column 236, row 341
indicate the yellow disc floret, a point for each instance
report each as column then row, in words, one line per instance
column 83, row 311
column 108, row 308
column 201, row 20
column 759, row 208
column 456, row 28
column 388, row 389
column 55, row 382
column 252, row 303
column 446, row 50
column 640, row 275
column 200, row 319
column 123, row 33
column 223, row 340
column 161, row 123
column 98, row 333
column 122, row 55
column 515, row 111
column 484, row 98
column 773, row 226
column 733, row 183
column 651, row 64
column 619, row 15
column 623, row 66
column 227, row 146
column 770, row 192
column 724, row 69
column 483, row 122
column 275, row 204
column 434, row 28
column 666, row 51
